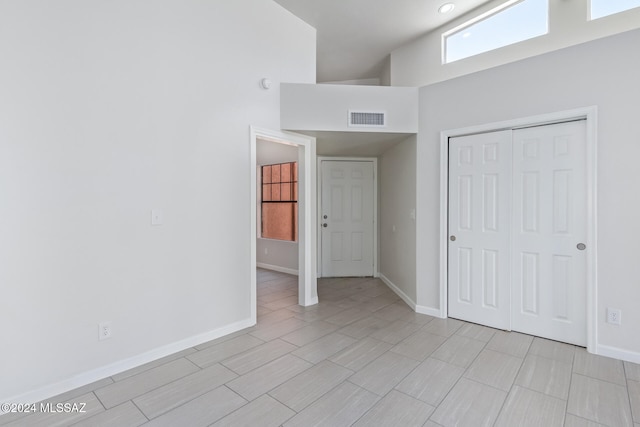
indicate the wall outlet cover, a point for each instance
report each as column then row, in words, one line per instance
column 614, row 316
column 104, row 330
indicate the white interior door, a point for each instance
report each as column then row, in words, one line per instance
column 549, row 223
column 347, row 207
column 479, row 222
column 517, row 212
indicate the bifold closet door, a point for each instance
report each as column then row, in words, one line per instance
column 479, row 228
column 549, row 231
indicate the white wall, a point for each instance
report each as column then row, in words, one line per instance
column 110, row 109
column 325, row 107
column 420, row 63
column 397, row 200
column 277, row 255
column 602, row 73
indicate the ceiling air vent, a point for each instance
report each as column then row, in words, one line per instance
column 366, row 119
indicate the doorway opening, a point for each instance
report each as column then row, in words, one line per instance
column 306, row 196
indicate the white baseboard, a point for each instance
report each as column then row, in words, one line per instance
column 277, row 268
column 310, row 302
column 94, row 375
column 435, row 312
column 411, row 303
column 430, row 311
column 618, row 353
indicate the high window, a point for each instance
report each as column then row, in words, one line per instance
column 279, row 206
column 602, row 8
column 512, row 22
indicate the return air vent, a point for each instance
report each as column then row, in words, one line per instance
column 366, row 119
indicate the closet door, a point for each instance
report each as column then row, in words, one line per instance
column 479, row 228
column 549, row 228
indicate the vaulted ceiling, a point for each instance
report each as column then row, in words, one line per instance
column 355, row 37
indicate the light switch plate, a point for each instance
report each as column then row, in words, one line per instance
column 156, row 217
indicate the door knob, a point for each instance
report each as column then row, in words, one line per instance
column 325, row 217
column 452, row 238
column 324, row 225
column 581, row 246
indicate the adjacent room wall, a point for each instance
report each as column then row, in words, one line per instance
column 419, row 63
column 108, row 110
column 397, row 203
column 603, row 73
column 279, row 255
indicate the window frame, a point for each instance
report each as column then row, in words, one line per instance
column 482, row 17
column 590, row 16
column 293, row 198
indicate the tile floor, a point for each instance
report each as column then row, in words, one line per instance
column 361, row 357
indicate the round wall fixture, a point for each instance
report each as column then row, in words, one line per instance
column 265, row 83
column 446, row 8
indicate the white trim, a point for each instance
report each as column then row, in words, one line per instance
column 411, row 303
column 374, row 160
column 307, row 279
column 481, row 17
column 430, row 311
column 277, row 268
column 421, row 309
column 591, row 115
column 124, row 365
column 618, row 353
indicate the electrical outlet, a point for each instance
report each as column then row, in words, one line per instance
column 104, row 330
column 614, row 316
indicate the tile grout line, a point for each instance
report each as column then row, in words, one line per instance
column 458, row 380
column 514, row 383
column 145, row 415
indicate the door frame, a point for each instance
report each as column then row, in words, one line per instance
column 589, row 113
column 307, row 279
column 373, row 160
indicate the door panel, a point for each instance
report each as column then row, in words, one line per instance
column 479, row 188
column 347, row 204
column 549, row 217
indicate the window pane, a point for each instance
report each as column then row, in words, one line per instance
column 266, row 193
column 285, row 191
column 266, row 174
column 522, row 21
column 285, row 173
column 278, row 221
column 600, row 8
column 279, row 189
column 275, row 173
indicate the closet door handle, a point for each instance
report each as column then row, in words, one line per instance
column 452, row 238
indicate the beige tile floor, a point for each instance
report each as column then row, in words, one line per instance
column 361, row 357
